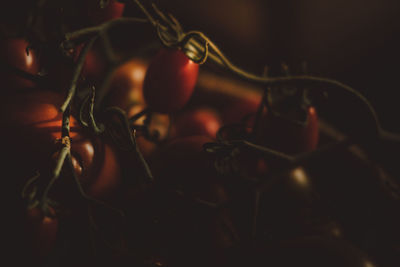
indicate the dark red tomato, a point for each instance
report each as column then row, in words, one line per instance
column 126, row 87
column 98, row 15
column 235, row 108
column 201, row 121
column 34, row 124
column 95, row 65
column 13, row 53
column 285, row 135
column 170, row 81
column 41, row 232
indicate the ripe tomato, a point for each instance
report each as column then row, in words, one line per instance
column 98, row 15
column 237, row 108
column 41, row 232
column 200, row 121
column 34, row 123
column 126, row 87
column 13, row 53
column 169, row 81
column 94, row 67
column 282, row 134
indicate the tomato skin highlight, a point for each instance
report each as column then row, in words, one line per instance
column 13, row 53
column 126, row 87
column 170, row 81
column 34, row 125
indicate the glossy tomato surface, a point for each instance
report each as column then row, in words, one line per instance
column 126, row 87
column 170, row 81
column 13, row 53
column 33, row 127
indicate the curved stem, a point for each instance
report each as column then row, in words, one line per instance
column 83, row 193
column 138, row 115
column 76, row 74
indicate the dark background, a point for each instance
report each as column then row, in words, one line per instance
column 354, row 41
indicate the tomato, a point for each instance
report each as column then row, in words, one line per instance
column 41, row 232
column 188, row 231
column 238, row 108
column 170, row 80
column 33, row 124
column 200, row 121
column 282, row 134
column 98, row 15
column 13, row 53
column 126, row 87
column 95, row 64
column 159, row 123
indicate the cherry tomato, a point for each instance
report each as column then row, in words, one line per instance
column 201, row 121
column 169, row 81
column 98, row 15
column 95, row 64
column 238, row 108
column 13, row 53
column 41, row 231
column 34, row 124
column 288, row 136
column 126, row 87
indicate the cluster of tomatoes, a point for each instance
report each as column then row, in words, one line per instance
column 197, row 188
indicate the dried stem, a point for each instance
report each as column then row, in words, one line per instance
column 76, row 73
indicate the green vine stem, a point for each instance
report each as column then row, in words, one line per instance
column 97, row 129
column 171, row 34
column 131, row 138
column 76, row 73
column 64, row 152
column 23, row 74
column 83, row 193
column 183, row 40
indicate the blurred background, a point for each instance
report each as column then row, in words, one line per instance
column 354, row 41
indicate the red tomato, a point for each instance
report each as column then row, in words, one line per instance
column 126, row 87
column 34, row 123
column 169, row 81
column 281, row 134
column 201, row 121
column 13, row 53
column 98, row 15
column 237, row 108
column 41, row 232
column 94, row 67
